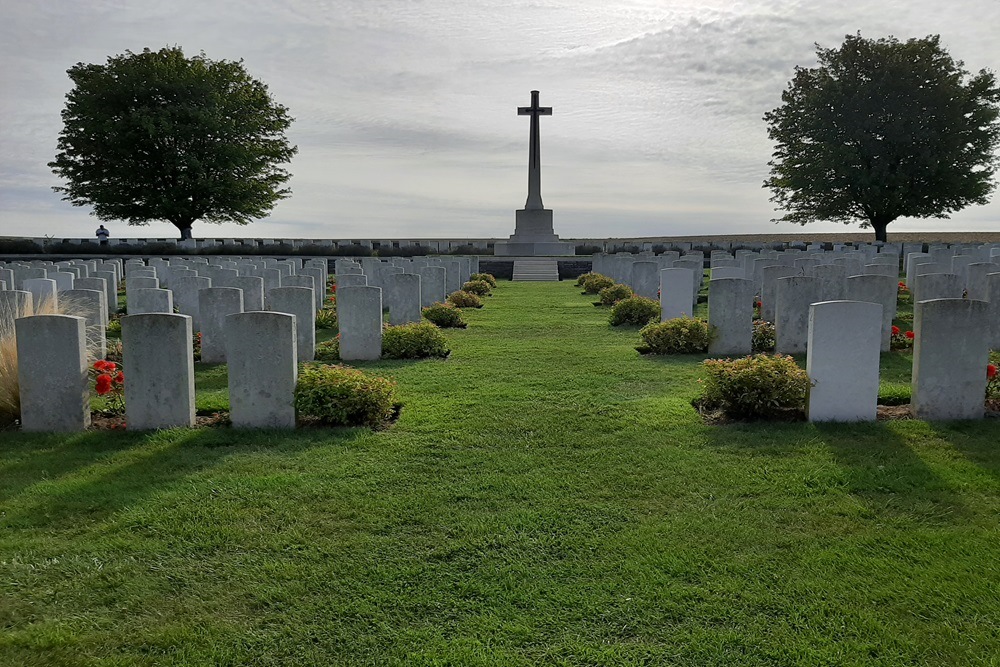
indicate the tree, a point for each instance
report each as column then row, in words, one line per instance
column 883, row 129
column 156, row 136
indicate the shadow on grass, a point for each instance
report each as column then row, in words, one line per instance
column 874, row 463
column 976, row 440
column 58, row 480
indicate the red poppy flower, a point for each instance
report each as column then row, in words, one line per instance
column 110, row 366
column 991, row 371
column 120, row 378
column 103, row 384
column 100, row 365
column 895, row 330
column 911, row 335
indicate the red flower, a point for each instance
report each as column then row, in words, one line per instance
column 120, row 378
column 103, row 384
column 895, row 330
column 757, row 304
column 991, row 371
column 100, row 365
column 902, row 285
column 110, row 366
column 910, row 335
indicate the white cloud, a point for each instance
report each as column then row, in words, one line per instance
column 405, row 110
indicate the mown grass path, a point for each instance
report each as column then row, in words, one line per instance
column 547, row 497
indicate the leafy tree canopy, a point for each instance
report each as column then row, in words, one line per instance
column 156, row 136
column 883, row 129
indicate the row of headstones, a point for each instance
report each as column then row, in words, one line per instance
column 368, row 244
column 53, row 371
column 788, row 282
column 261, row 350
column 949, row 360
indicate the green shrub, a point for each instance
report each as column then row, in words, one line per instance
column 487, row 277
column 477, row 287
column 462, row 299
column 595, row 283
column 326, row 318
column 683, row 335
column 414, row 341
column 115, row 327
column 584, row 277
column 761, row 386
column 340, row 396
column 328, row 350
column 445, row 316
column 615, row 293
column 634, row 310
column 763, row 336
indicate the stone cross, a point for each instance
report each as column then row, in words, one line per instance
column 534, row 158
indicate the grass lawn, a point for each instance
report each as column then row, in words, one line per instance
column 548, row 497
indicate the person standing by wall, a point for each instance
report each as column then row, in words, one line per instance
column 103, row 235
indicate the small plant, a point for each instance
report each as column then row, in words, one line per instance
column 477, row 287
column 414, row 341
column 326, row 318
column 634, row 310
column 683, row 335
column 116, row 351
column 584, row 277
column 109, row 382
column 486, row 277
column 328, row 350
column 595, row 283
column 900, row 340
column 445, row 316
column 115, row 327
column 196, row 346
column 761, row 386
column 462, row 299
column 992, row 381
column 615, row 293
column 763, row 336
column 341, row 396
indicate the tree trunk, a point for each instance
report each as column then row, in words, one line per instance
column 185, row 228
column 879, row 224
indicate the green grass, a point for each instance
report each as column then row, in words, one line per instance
column 548, row 497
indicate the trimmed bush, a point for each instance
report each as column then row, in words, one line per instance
column 414, row 341
column 595, row 283
column 445, row 316
column 328, row 350
column 462, row 299
column 477, row 287
column 486, row 277
column 634, row 310
column 341, row 396
column 762, row 386
column 584, row 277
column 683, row 335
column 763, row 338
column 326, row 318
column 615, row 293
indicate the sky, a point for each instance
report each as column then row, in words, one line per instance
column 405, row 110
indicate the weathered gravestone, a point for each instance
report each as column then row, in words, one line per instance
column 843, row 370
column 159, row 387
column 359, row 312
column 263, row 367
column 950, row 352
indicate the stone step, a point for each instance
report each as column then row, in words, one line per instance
column 536, row 269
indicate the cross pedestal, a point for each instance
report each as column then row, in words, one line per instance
column 533, row 234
